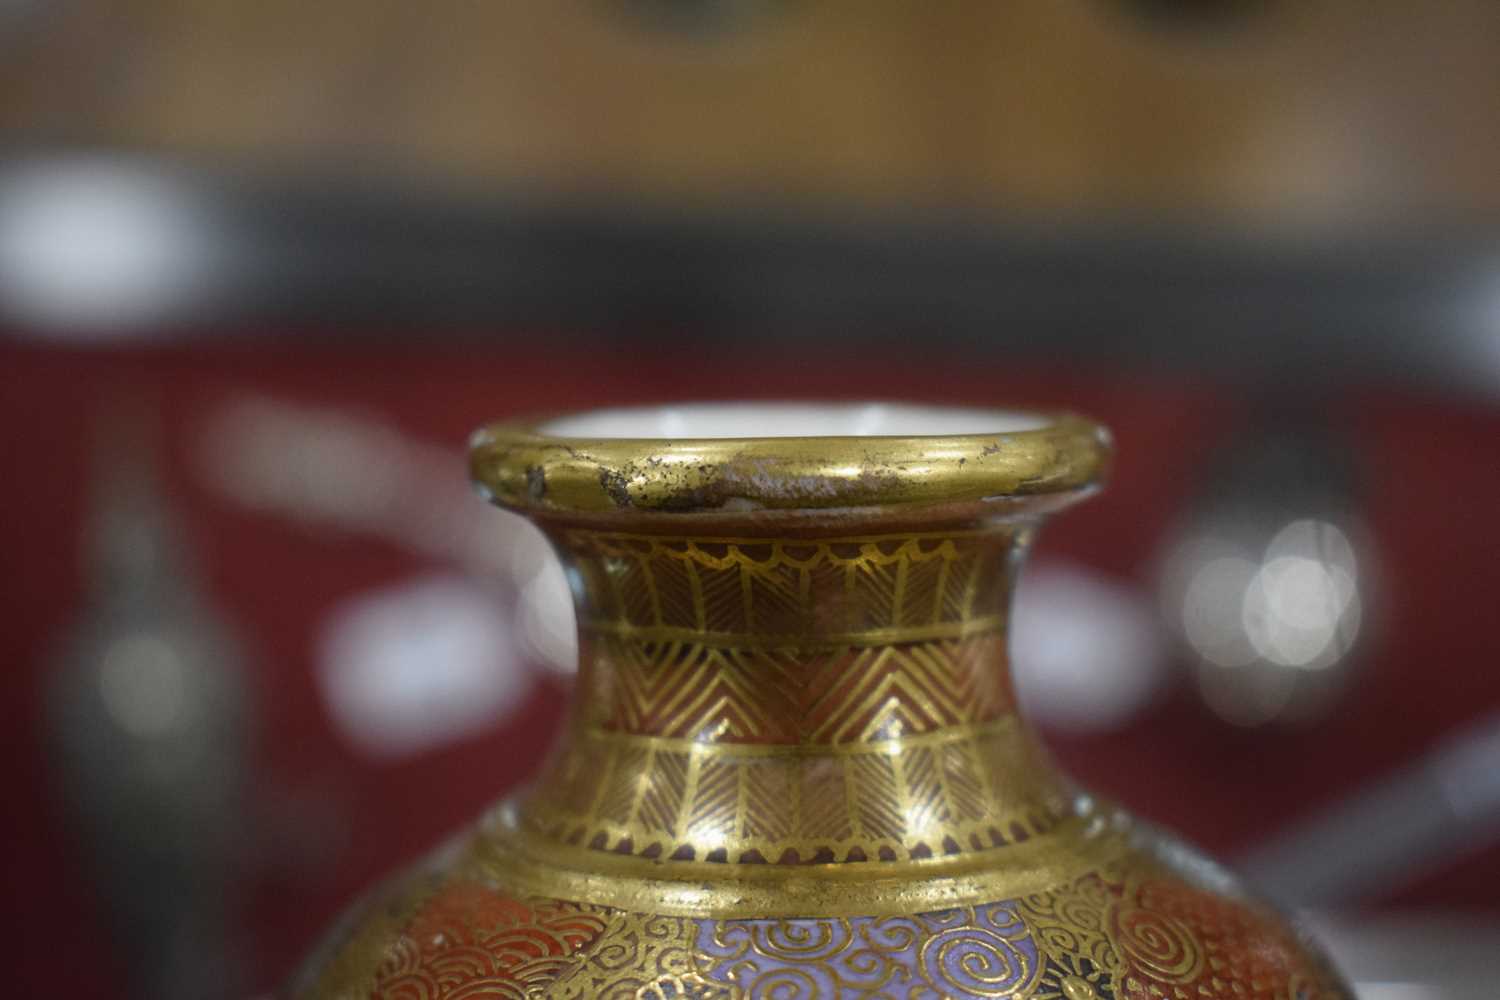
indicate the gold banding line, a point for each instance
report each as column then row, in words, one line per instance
column 746, row 640
column 532, row 864
column 1006, row 725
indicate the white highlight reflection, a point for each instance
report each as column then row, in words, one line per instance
column 1212, row 611
column 90, row 248
column 1297, row 606
column 418, row 665
column 1087, row 650
column 1399, row 991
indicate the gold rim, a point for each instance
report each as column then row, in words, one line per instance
column 516, row 465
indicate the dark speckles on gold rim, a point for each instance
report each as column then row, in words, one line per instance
column 519, row 465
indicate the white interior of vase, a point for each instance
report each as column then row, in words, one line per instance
column 771, row 420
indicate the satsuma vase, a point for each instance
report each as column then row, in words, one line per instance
column 794, row 765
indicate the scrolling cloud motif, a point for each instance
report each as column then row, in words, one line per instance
column 975, row 952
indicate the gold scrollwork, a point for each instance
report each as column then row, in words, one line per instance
column 639, row 956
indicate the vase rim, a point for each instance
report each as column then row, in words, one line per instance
column 736, row 457
column 706, row 421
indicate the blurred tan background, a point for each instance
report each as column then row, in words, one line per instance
column 1303, row 113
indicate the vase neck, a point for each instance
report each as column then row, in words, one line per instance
column 790, row 699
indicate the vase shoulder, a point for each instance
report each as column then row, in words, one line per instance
column 1151, row 922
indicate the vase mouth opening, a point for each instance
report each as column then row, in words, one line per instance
column 800, row 457
column 753, row 421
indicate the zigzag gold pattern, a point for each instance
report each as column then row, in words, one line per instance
column 943, row 793
column 764, row 700
column 822, row 592
column 774, row 641
column 843, row 694
column 794, row 769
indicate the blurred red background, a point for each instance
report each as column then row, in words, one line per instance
column 326, row 821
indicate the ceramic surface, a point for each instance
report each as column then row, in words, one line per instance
column 794, row 766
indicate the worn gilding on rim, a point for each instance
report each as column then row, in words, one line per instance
column 794, row 766
column 516, row 465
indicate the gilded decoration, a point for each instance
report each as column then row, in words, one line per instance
column 794, row 767
column 759, row 701
column 521, row 467
column 1131, row 932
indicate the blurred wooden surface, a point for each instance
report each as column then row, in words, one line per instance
column 1313, row 110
